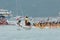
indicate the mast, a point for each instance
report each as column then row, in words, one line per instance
column 16, row 8
column 20, row 8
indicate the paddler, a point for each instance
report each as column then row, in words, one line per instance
column 19, row 21
column 27, row 23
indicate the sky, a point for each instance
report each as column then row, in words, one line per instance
column 34, row 8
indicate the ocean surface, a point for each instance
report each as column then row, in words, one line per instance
column 11, row 33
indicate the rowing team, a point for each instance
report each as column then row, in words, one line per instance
column 40, row 24
column 47, row 24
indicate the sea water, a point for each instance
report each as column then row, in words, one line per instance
column 11, row 33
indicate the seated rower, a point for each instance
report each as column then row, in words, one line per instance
column 27, row 23
column 19, row 22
